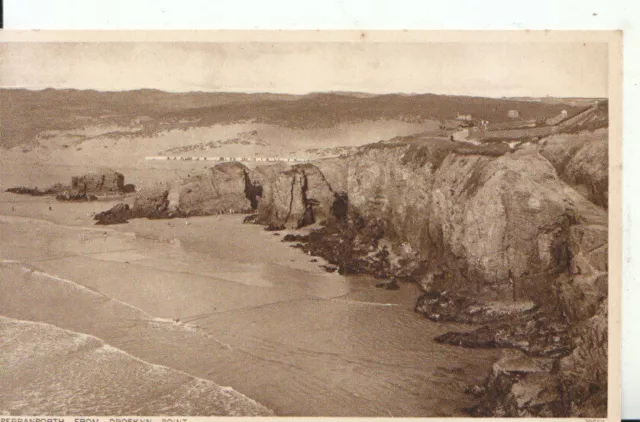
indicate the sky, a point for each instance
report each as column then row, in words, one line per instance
column 479, row 69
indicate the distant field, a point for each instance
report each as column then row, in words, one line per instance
column 591, row 118
column 27, row 116
column 514, row 134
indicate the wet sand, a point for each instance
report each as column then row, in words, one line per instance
column 50, row 371
column 232, row 304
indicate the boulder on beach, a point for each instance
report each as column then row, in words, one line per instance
column 23, row 190
column 75, row 195
column 521, row 386
column 119, row 214
column 54, row 189
column 129, row 188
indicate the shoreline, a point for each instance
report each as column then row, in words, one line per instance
column 236, row 404
column 219, row 327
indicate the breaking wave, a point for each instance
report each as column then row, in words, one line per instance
column 50, row 370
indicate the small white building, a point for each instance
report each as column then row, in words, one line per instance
column 513, row 114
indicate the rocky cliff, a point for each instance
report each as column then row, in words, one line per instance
column 514, row 240
column 500, row 237
column 296, row 196
column 104, row 181
column 582, row 160
column 500, row 225
column 224, row 188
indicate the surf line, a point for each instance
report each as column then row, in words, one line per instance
column 354, row 302
column 111, row 349
column 32, row 270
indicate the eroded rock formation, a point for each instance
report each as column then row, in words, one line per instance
column 296, row 197
column 582, row 160
column 153, row 202
column 75, row 195
column 223, row 189
column 103, row 181
column 512, row 239
column 83, row 188
column 499, row 237
column 119, row 214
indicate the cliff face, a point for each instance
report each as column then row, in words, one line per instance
column 106, row 181
column 152, row 202
column 515, row 240
column 503, row 223
column 335, row 171
column 588, row 171
column 224, row 188
column 295, row 197
column 494, row 237
column 582, row 160
column 501, row 226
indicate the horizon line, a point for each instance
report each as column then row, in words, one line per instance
column 337, row 92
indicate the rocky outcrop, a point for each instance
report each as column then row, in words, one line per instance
column 583, row 374
column 582, row 160
column 61, row 192
column 119, row 214
column 223, row 189
column 296, row 197
column 445, row 305
column 536, row 334
column 575, row 386
column 353, row 247
column 52, row 190
column 83, row 188
column 588, row 171
column 150, row 202
column 494, row 236
column 23, row 190
column 103, row 181
column 153, row 202
column 129, row 188
column 521, row 386
column 75, row 195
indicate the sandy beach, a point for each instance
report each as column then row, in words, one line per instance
column 231, row 304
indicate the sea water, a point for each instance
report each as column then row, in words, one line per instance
column 153, row 316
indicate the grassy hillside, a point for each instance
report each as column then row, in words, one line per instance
column 26, row 115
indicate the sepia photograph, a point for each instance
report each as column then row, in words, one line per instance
column 310, row 224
